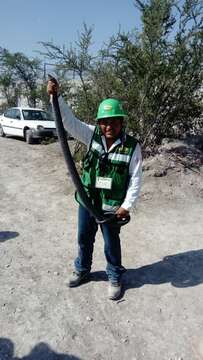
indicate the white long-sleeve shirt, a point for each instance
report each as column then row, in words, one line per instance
column 84, row 133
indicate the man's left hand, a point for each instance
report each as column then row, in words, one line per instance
column 122, row 213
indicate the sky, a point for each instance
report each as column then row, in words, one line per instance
column 24, row 23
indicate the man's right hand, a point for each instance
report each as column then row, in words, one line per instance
column 52, row 87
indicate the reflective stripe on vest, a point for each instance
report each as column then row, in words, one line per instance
column 96, row 146
column 106, row 207
column 119, row 157
column 114, row 165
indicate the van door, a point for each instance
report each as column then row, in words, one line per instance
column 17, row 123
column 6, row 122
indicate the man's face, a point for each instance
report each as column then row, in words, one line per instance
column 111, row 127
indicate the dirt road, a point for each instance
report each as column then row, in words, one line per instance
column 160, row 315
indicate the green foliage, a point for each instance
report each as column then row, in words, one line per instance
column 23, row 75
column 7, row 85
column 161, row 69
column 156, row 72
column 74, row 65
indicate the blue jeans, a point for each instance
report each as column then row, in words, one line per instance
column 87, row 229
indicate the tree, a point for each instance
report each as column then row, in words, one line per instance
column 8, row 90
column 161, row 69
column 73, row 64
column 156, row 72
column 23, row 71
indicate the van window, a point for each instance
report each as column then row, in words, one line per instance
column 9, row 113
column 36, row 115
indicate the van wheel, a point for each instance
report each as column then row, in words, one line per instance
column 28, row 137
column 2, row 134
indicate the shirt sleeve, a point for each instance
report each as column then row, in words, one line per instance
column 135, row 172
column 78, row 129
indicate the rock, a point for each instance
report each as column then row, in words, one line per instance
column 146, row 167
column 160, row 172
column 18, row 310
column 125, row 341
column 88, row 318
column 165, row 141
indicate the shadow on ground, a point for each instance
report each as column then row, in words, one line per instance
column 181, row 270
column 40, row 352
column 7, row 235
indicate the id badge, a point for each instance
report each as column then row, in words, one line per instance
column 103, row 183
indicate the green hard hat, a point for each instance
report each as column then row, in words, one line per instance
column 110, row 108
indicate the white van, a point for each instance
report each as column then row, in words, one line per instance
column 29, row 123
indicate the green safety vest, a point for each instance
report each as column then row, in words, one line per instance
column 113, row 165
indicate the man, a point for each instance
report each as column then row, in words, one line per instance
column 112, row 178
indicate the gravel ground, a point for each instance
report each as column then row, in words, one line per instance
column 160, row 315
